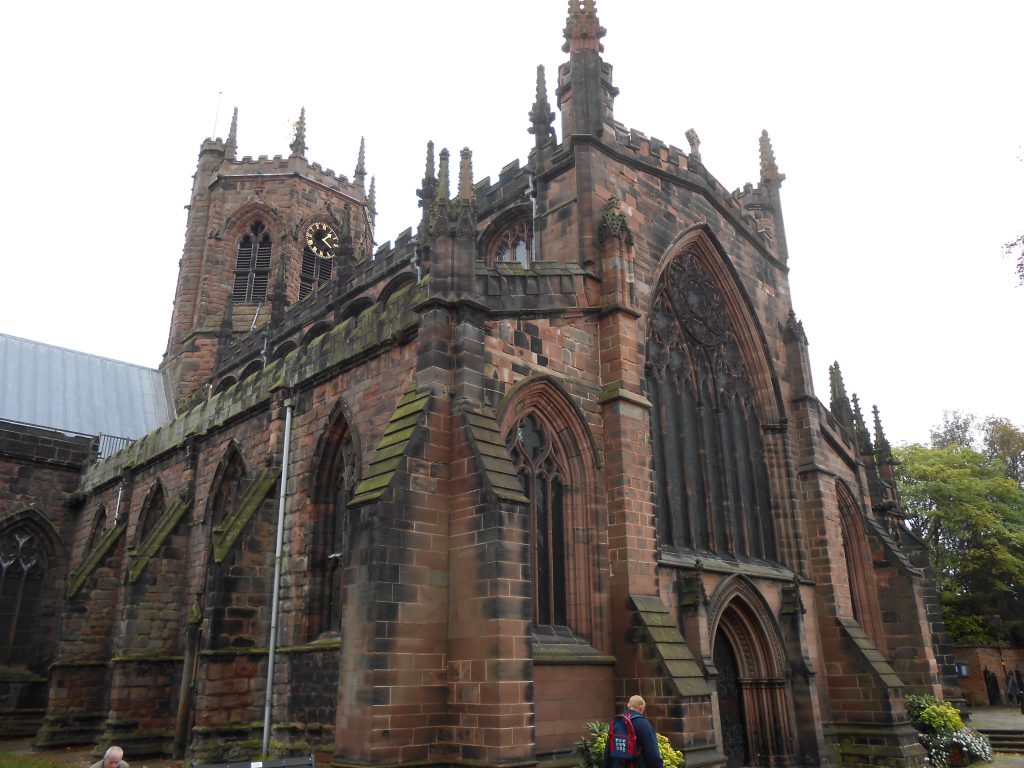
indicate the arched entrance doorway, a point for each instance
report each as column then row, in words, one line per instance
column 754, row 704
column 730, row 703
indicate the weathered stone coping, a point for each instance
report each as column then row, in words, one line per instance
column 226, row 536
column 167, row 522
column 92, row 559
column 343, row 346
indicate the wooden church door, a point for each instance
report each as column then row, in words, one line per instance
column 730, row 704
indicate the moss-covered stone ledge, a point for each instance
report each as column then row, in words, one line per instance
column 341, row 347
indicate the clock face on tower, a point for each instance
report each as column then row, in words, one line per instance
column 322, row 240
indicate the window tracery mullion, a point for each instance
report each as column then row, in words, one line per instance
column 734, row 517
column 675, row 479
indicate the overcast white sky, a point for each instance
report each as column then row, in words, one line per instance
column 899, row 126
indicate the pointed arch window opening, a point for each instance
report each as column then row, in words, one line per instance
column 542, row 474
column 709, row 458
column 229, row 489
column 337, row 533
column 23, row 568
column 154, row 507
column 514, row 244
column 252, row 266
column 315, row 273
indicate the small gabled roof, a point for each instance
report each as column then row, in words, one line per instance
column 72, row 391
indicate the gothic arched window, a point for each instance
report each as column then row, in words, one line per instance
column 513, row 244
column 228, row 485
column 542, row 473
column 335, row 481
column 863, row 590
column 712, row 491
column 23, row 571
column 151, row 511
column 252, row 265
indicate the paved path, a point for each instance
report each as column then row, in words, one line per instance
column 987, row 717
column 1003, row 718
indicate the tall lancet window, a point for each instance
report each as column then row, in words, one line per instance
column 543, row 476
column 252, row 266
column 711, row 491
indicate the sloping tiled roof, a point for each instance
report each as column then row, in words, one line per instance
column 77, row 392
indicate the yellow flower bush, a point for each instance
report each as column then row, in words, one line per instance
column 591, row 748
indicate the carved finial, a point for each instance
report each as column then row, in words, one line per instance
column 466, row 174
column 442, row 197
column 860, row 429
column 583, row 31
column 613, row 223
column 541, row 116
column 360, row 174
column 882, row 446
column 840, row 402
column 298, row 146
column 371, row 204
column 231, row 147
column 694, row 139
column 465, row 224
column 795, row 329
column 429, row 188
column 769, row 170
column 346, row 248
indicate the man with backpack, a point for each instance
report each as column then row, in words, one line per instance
column 632, row 742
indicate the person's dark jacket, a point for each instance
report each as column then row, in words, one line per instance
column 650, row 755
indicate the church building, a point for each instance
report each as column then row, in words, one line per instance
column 556, row 446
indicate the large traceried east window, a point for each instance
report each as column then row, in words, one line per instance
column 252, row 266
column 542, row 474
column 712, row 492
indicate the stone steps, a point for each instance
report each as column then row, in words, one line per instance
column 1004, row 740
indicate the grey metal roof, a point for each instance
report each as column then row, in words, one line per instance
column 77, row 392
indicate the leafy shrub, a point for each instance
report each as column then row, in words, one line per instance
column 591, row 748
column 942, row 729
column 975, row 745
column 930, row 715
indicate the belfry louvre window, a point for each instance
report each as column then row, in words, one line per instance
column 513, row 244
column 543, row 477
column 252, row 266
column 712, row 491
column 316, row 271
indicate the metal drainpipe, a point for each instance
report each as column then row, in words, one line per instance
column 277, row 575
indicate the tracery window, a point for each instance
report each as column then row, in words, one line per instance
column 711, row 490
column 23, row 567
column 513, row 244
column 252, row 266
column 316, row 272
column 542, row 473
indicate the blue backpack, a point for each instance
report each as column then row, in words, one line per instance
column 622, row 743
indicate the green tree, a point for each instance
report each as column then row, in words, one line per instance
column 1004, row 442
column 970, row 517
column 957, row 428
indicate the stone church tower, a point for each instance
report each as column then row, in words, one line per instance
column 261, row 234
column 558, row 446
